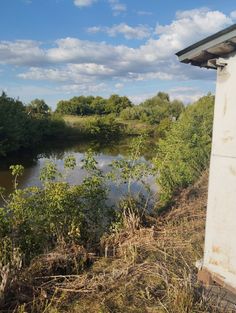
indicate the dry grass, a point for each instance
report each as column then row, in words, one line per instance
column 137, row 127
column 144, row 269
column 75, row 120
column 132, row 127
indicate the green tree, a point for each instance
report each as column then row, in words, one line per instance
column 38, row 107
column 66, row 107
column 14, row 124
column 98, row 105
column 116, row 104
column 23, row 127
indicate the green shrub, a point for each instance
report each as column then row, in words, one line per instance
column 36, row 219
column 185, row 151
column 105, row 128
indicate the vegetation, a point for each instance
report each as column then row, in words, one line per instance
column 119, row 128
column 37, row 108
column 27, row 126
column 153, row 117
column 184, row 153
column 154, row 110
column 144, row 265
column 37, row 220
column 64, row 248
column 148, row 267
column 93, row 105
column 103, row 128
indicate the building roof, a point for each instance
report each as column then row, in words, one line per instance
column 211, row 48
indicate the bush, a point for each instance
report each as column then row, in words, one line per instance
column 185, row 151
column 36, row 219
column 105, row 128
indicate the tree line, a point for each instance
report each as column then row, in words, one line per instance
column 152, row 110
column 27, row 126
column 90, row 105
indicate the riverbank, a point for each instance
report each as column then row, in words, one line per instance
column 145, row 267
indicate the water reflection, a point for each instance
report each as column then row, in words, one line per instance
column 35, row 160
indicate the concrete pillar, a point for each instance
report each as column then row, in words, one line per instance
column 220, row 241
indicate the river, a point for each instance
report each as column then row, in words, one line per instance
column 34, row 161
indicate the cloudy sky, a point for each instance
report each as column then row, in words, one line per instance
column 56, row 49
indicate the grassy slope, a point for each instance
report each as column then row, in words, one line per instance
column 144, row 269
column 150, row 269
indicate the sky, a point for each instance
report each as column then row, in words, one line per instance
column 58, row 49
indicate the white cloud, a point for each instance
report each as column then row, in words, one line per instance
column 83, row 3
column 137, row 99
column 28, row 92
column 117, row 7
column 185, row 94
column 129, row 32
column 189, row 27
column 233, row 15
column 119, row 86
column 95, row 29
column 75, row 62
column 152, row 76
column 21, row 52
column 35, row 73
column 84, row 89
column 85, row 73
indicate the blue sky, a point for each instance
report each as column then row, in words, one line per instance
column 56, row 49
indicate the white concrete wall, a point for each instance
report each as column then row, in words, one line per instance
column 220, row 242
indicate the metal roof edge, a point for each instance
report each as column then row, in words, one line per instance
column 207, row 40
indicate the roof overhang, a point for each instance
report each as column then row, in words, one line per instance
column 207, row 52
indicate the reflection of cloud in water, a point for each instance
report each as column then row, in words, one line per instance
column 104, row 159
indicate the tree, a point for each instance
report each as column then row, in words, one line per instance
column 38, row 107
column 160, row 107
column 116, row 104
column 82, row 104
column 14, row 123
column 66, row 107
column 176, row 108
column 98, row 105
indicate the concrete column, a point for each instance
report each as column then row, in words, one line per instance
column 220, row 241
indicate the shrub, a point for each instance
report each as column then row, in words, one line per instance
column 185, row 151
column 36, row 219
column 105, row 128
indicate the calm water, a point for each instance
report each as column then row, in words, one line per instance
column 105, row 154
